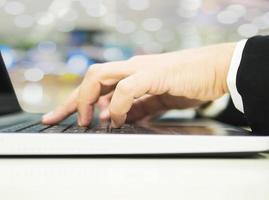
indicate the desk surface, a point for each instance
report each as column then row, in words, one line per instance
column 153, row 179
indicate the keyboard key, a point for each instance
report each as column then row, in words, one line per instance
column 56, row 129
column 35, row 129
column 96, row 128
column 102, row 127
column 76, row 129
column 19, row 127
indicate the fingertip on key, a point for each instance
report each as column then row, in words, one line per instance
column 47, row 117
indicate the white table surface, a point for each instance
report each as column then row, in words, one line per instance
column 153, row 179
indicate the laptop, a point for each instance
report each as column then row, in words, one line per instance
column 22, row 134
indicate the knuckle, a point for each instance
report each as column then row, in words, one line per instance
column 124, row 87
column 95, row 67
column 95, row 70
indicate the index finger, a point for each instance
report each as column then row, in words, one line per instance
column 62, row 111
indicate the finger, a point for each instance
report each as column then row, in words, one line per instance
column 127, row 90
column 104, row 101
column 112, row 72
column 91, row 88
column 144, row 106
column 103, row 104
column 104, row 115
column 63, row 111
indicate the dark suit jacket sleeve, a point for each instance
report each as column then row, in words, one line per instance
column 252, row 83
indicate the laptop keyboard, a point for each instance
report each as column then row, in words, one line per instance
column 102, row 127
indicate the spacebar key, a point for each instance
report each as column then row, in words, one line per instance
column 55, row 129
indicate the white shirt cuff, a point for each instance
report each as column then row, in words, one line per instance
column 216, row 107
column 232, row 74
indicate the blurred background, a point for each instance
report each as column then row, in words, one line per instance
column 48, row 45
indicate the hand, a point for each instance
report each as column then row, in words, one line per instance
column 148, row 84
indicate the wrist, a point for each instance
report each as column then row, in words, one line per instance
column 224, row 53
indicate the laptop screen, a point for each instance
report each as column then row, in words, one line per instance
column 8, row 99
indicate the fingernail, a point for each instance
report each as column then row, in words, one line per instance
column 48, row 115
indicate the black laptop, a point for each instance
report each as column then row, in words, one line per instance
column 22, row 134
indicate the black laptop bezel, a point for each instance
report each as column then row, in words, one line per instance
column 8, row 100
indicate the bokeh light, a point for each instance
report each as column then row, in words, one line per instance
column 139, row 4
column 152, row 24
column 2, row 2
column 126, row 27
column 77, row 63
column 34, row 75
column 14, row 7
column 24, row 21
column 113, row 54
column 32, row 93
column 97, row 10
column 247, row 30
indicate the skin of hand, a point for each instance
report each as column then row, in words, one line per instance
column 147, row 84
